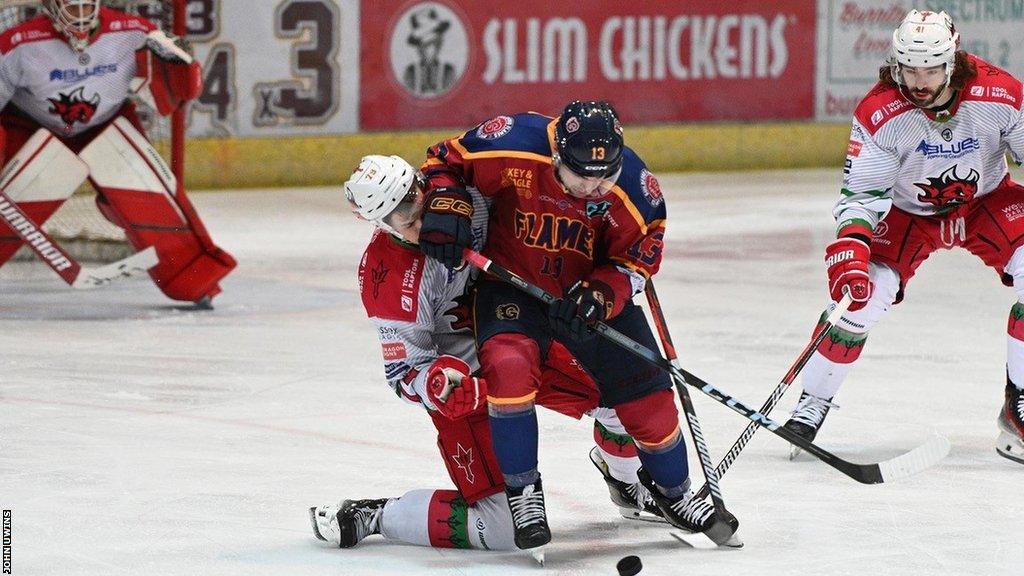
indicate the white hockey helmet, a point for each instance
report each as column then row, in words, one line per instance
column 923, row 40
column 378, row 186
column 75, row 19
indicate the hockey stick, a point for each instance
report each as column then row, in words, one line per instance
column 777, row 394
column 61, row 262
column 724, row 528
column 895, row 468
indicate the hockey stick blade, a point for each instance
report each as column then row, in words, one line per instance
column 874, row 473
column 721, row 534
column 935, row 449
column 134, row 265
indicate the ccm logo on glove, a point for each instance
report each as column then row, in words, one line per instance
column 452, row 205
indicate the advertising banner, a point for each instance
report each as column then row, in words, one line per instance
column 855, row 36
column 441, row 63
column 275, row 67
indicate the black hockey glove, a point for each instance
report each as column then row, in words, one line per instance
column 583, row 306
column 447, row 225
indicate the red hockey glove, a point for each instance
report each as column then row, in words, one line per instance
column 584, row 305
column 447, row 225
column 452, row 389
column 847, row 262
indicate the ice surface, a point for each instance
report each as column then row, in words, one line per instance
column 142, row 438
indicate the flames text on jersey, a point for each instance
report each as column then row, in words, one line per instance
column 554, row 233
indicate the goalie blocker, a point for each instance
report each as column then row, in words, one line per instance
column 136, row 191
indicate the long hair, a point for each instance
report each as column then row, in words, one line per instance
column 963, row 70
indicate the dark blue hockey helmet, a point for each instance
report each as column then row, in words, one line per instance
column 589, row 139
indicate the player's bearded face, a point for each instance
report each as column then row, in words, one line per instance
column 924, row 85
column 584, row 186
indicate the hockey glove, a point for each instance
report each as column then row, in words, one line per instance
column 583, row 306
column 447, row 226
column 847, row 262
column 451, row 388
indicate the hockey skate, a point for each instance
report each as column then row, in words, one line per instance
column 634, row 500
column 686, row 511
column 807, row 418
column 347, row 523
column 529, row 520
column 1010, row 443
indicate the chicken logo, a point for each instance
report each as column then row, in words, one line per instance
column 949, row 189
column 74, row 107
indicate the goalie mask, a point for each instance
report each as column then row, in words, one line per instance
column 924, row 40
column 75, row 19
column 380, row 186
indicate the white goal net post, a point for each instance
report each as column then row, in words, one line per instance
column 78, row 225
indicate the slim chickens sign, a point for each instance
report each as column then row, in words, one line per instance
column 437, row 63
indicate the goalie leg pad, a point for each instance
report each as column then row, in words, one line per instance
column 466, row 449
column 39, row 178
column 141, row 194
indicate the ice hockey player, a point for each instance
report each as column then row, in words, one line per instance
column 925, row 170
column 65, row 79
column 421, row 314
column 576, row 212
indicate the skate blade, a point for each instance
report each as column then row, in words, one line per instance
column 537, row 554
column 312, row 520
column 700, row 541
column 638, row 516
column 1010, row 447
column 794, row 451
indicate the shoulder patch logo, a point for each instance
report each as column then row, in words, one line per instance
column 495, row 128
column 377, row 276
column 652, row 190
column 572, row 125
column 507, row 312
column 977, row 90
column 876, row 117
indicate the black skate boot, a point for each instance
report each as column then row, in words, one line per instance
column 347, row 523
column 1011, row 425
column 685, row 512
column 807, row 418
column 529, row 520
column 634, row 500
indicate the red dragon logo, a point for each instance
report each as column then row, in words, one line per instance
column 74, row 107
column 949, row 189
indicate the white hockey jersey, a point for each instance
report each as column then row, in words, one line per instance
column 901, row 155
column 420, row 308
column 63, row 90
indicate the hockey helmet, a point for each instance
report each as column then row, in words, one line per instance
column 75, row 19
column 588, row 138
column 378, row 186
column 923, row 40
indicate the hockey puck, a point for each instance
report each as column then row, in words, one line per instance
column 629, row 566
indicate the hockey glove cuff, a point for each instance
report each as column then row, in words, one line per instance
column 452, row 390
column 846, row 260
